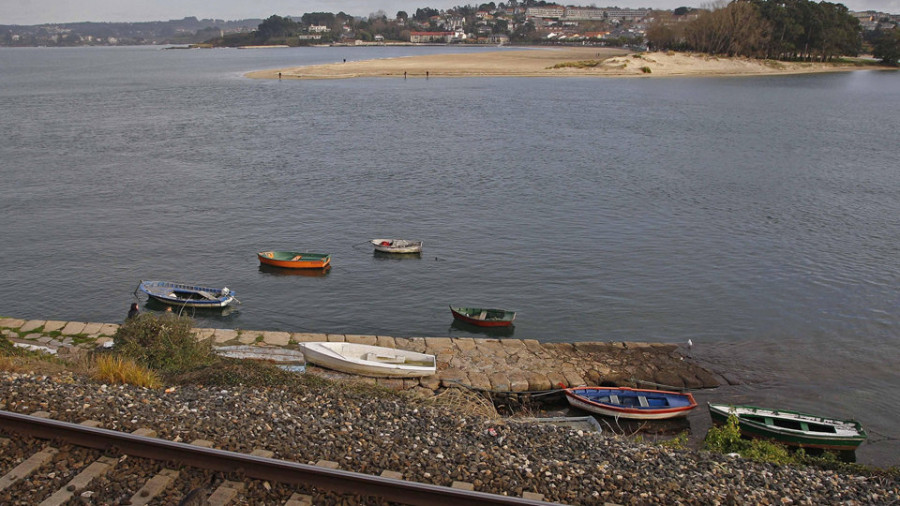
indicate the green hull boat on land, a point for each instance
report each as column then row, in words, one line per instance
column 791, row 427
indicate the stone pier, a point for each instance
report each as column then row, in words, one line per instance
column 500, row 365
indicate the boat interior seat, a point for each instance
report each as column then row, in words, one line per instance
column 482, row 316
column 385, row 359
column 614, row 399
column 643, row 401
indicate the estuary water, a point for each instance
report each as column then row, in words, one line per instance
column 758, row 217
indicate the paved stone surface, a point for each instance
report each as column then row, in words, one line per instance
column 249, row 336
column 224, row 335
column 109, row 329
column 11, row 323
column 204, row 334
column 358, row 339
column 276, row 338
column 501, row 365
column 31, row 325
column 386, row 341
column 53, row 325
column 73, row 328
column 92, row 328
column 306, row 337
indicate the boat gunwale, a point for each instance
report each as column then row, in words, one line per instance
column 407, row 246
column 637, row 410
column 315, row 260
column 220, row 300
column 506, row 321
column 323, row 350
column 845, row 430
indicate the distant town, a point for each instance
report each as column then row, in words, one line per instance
column 514, row 22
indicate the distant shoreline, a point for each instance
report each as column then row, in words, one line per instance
column 556, row 62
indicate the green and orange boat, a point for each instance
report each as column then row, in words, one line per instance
column 791, row 427
column 294, row 259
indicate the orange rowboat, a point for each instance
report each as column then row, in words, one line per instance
column 294, row 259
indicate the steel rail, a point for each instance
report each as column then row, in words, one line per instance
column 252, row 466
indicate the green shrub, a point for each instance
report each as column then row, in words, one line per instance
column 725, row 439
column 760, row 450
column 229, row 372
column 646, row 70
column 164, row 343
column 678, row 442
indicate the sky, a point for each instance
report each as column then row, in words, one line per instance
column 33, row 12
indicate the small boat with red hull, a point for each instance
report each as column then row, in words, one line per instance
column 633, row 403
column 484, row 317
column 398, row 246
column 294, row 259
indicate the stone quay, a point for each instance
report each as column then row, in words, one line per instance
column 487, row 364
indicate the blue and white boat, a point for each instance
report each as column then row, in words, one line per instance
column 632, row 403
column 186, row 295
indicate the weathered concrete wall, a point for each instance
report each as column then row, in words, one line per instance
column 505, row 365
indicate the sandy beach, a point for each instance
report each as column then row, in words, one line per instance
column 552, row 62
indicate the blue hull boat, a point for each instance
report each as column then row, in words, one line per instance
column 186, row 295
column 632, row 403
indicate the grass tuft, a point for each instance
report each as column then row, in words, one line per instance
column 120, row 370
column 465, row 401
column 577, row 64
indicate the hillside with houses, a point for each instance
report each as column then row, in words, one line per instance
column 514, row 22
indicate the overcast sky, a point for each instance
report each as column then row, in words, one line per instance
column 32, row 12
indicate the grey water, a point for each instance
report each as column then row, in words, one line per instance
column 758, row 217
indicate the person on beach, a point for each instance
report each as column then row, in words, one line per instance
column 133, row 311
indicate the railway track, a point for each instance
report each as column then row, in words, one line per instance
column 60, row 463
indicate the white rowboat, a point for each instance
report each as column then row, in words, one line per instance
column 367, row 360
column 397, row 246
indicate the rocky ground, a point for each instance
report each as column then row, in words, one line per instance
column 369, row 429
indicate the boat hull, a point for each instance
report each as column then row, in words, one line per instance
column 463, row 315
column 186, row 295
column 661, row 404
column 294, row 259
column 796, row 430
column 398, row 246
column 366, row 360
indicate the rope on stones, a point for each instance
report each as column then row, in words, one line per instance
column 659, row 385
column 531, row 393
column 881, row 437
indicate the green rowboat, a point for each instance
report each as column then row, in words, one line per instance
column 792, row 428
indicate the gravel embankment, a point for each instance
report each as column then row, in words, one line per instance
column 435, row 444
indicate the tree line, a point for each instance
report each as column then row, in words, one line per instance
column 775, row 29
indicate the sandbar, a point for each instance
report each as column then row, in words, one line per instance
column 553, row 62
